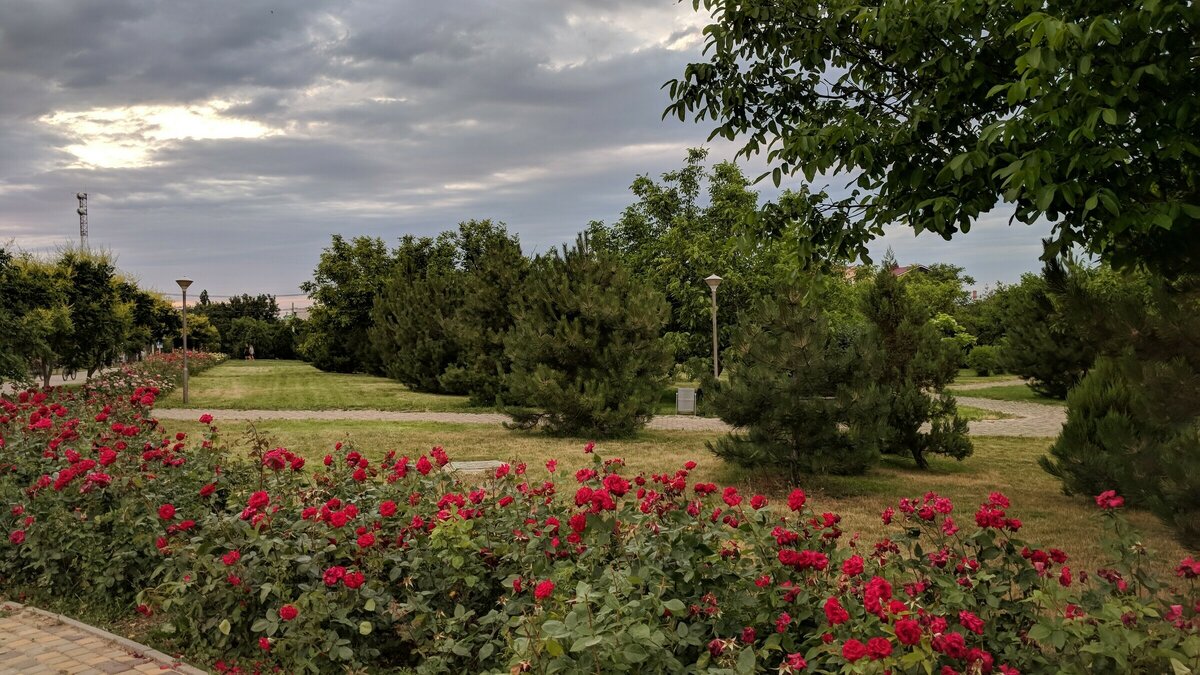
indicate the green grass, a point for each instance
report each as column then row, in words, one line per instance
column 973, row 414
column 1012, row 392
column 968, row 376
column 1005, row 464
column 294, row 385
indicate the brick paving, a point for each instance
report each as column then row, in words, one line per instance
column 35, row 642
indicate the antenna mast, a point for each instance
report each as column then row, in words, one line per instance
column 83, row 227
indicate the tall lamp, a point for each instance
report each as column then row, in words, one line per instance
column 183, row 286
column 714, row 281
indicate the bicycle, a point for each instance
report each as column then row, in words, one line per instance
column 69, row 374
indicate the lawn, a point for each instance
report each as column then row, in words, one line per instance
column 1005, row 464
column 1011, row 392
column 294, row 385
column 968, row 376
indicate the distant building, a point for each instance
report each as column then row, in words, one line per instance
column 851, row 272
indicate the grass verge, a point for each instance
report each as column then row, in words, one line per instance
column 1012, row 392
column 295, row 385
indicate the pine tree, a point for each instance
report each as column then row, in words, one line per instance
column 411, row 329
column 1042, row 347
column 917, row 366
column 586, row 350
column 493, row 271
column 1133, row 423
column 800, row 393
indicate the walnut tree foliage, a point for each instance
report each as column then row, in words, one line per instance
column 1082, row 113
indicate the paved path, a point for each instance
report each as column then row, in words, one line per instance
column 35, row 642
column 1029, row 419
column 987, row 385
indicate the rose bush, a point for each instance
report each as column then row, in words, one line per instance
column 269, row 562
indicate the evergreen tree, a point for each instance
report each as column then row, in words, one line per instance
column 917, row 366
column 1133, row 423
column 493, row 271
column 411, row 321
column 801, row 393
column 586, row 350
column 1042, row 347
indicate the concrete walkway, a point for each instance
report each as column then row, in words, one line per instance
column 986, row 385
column 1028, row 419
column 36, row 642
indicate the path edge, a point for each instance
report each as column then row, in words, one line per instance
column 135, row 648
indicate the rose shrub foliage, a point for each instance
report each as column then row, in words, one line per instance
column 271, row 562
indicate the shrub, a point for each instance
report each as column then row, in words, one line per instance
column 985, row 360
column 801, row 395
column 586, row 350
column 1044, row 347
column 917, row 365
column 364, row 565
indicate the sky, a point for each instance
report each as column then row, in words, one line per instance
column 226, row 140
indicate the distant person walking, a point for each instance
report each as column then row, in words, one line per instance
column 250, row 352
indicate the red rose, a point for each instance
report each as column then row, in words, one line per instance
column 879, row 648
column 264, row 644
column 354, row 579
column 506, row 500
column 333, row 575
column 17, row 536
column 208, row 489
column 366, row 541
column 795, row 661
column 782, row 623
column 387, row 509
column 231, row 558
column 423, row 466
column 552, row 465
column 908, row 632
column 166, row 511
column 543, row 589
column 731, row 496
column 259, row 499
column 749, row 635
column 853, row 566
column 1108, row 500
column 835, row 613
column 206, row 419
column 971, row 622
column 853, row 650
column 288, row 612
column 1064, row 577
column 796, row 499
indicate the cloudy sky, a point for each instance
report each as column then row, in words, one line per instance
column 227, row 139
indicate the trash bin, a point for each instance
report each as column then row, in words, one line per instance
column 685, row 401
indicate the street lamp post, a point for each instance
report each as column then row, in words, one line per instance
column 714, row 281
column 183, row 286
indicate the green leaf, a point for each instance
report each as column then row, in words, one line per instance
column 553, row 648
column 1109, row 115
column 365, row 628
column 745, row 662
column 260, row 625
column 586, row 643
column 675, row 606
column 369, row 605
column 224, row 627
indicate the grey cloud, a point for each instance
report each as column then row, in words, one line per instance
column 388, row 118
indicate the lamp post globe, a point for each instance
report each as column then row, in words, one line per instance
column 184, row 282
column 713, row 281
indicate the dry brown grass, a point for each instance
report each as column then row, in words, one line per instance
column 1005, row 464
